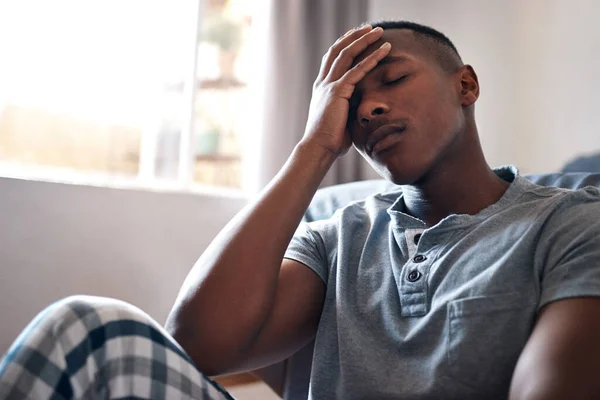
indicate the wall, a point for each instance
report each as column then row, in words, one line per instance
column 58, row 239
column 537, row 63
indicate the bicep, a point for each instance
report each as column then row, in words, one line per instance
column 293, row 319
column 562, row 355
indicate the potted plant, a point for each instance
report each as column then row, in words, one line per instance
column 208, row 134
column 226, row 33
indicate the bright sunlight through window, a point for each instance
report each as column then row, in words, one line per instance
column 149, row 91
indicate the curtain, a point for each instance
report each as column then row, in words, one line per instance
column 299, row 33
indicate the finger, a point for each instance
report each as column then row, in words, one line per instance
column 339, row 44
column 362, row 28
column 346, row 57
column 360, row 70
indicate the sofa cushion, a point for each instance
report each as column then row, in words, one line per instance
column 329, row 199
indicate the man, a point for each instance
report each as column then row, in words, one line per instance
column 470, row 283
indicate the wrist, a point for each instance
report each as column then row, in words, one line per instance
column 315, row 153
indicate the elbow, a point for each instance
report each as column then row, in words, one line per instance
column 210, row 354
column 178, row 327
column 186, row 336
column 180, row 332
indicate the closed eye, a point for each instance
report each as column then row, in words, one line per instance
column 393, row 82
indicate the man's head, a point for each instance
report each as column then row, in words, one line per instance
column 423, row 94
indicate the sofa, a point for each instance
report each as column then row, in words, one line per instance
column 290, row 378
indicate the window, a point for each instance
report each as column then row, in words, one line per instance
column 153, row 91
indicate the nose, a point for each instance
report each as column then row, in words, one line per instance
column 369, row 110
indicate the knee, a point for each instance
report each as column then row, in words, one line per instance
column 73, row 318
column 92, row 312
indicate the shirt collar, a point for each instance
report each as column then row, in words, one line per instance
column 518, row 185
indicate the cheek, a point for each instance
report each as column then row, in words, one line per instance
column 420, row 100
column 441, row 112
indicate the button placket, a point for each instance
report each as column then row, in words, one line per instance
column 413, row 276
column 416, row 238
column 413, row 289
column 411, row 243
column 419, row 258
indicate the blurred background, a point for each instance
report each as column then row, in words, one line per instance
column 109, row 89
column 131, row 131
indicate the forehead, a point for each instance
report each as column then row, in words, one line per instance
column 403, row 43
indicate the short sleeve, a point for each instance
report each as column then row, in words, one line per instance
column 308, row 247
column 571, row 259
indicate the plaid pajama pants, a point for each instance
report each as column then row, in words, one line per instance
column 87, row 347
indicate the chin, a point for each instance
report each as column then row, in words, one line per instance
column 400, row 170
column 399, row 175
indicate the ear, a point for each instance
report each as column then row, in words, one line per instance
column 469, row 85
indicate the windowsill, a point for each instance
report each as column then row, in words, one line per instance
column 97, row 179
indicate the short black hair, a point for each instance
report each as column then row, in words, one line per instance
column 442, row 48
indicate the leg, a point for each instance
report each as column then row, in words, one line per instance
column 93, row 347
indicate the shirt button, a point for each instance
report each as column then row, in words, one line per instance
column 419, row 258
column 416, row 238
column 414, row 276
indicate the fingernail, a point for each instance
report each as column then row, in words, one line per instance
column 386, row 45
column 378, row 29
column 364, row 27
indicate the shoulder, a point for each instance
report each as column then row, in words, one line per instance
column 367, row 210
column 559, row 205
column 352, row 220
column 368, row 207
column 567, row 219
column 575, row 208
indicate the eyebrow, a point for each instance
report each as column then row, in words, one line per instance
column 393, row 59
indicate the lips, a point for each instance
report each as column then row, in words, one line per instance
column 381, row 133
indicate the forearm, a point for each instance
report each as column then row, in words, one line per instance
column 562, row 356
column 228, row 295
column 227, row 298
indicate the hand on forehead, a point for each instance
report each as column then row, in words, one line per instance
column 403, row 43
